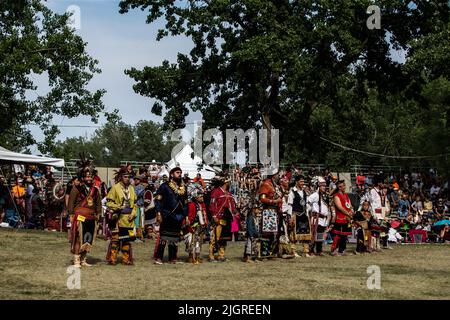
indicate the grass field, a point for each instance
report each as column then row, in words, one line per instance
column 33, row 265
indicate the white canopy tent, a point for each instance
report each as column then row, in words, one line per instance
column 15, row 158
column 190, row 165
column 11, row 157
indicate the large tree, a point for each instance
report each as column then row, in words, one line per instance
column 36, row 42
column 304, row 67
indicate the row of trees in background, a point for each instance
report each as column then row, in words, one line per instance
column 116, row 142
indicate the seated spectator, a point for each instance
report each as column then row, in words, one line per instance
column 439, row 210
column 360, row 180
column 444, row 235
column 333, row 185
column 392, row 195
column 404, row 207
column 199, row 179
column 4, row 194
column 427, row 205
column 395, row 185
column 434, row 190
column 369, row 179
column 418, row 185
column 447, row 206
column 394, row 236
column 417, row 206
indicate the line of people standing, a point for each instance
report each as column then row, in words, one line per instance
column 287, row 223
column 180, row 213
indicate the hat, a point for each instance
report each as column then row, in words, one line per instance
column 84, row 165
column 321, row 181
column 194, row 190
column 121, row 172
column 175, row 169
column 219, row 180
column 270, row 171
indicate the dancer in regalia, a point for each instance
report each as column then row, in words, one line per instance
column 300, row 220
column 170, row 203
column 197, row 222
column 321, row 214
column 85, row 207
column 270, row 197
column 222, row 208
column 362, row 221
column 342, row 226
column 121, row 201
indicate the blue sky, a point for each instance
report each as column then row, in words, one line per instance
column 118, row 42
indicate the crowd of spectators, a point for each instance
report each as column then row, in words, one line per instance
column 30, row 197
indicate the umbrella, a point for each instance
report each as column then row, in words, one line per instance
column 441, row 223
column 395, row 224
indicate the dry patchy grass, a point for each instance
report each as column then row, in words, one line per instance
column 33, row 265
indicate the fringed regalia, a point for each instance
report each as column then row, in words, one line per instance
column 320, row 216
column 198, row 222
column 253, row 233
column 301, row 230
column 121, row 202
column 363, row 235
column 270, row 219
column 222, row 208
column 86, row 207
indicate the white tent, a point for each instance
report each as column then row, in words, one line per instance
column 7, row 156
column 163, row 172
column 190, row 164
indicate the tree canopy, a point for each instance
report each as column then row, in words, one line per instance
column 311, row 69
column 36, row 42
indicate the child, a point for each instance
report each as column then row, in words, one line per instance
column 418, row 206
column 404, row 207
column 394, row 236
column 197, row 223
column 363, row 236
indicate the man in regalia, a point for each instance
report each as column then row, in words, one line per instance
column 170, row 203
column 121, row 201
column 222, row 208
column 300, row 220
column 321, row 213
column 342, row 227
column 85, row 207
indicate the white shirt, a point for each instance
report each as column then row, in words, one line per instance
column 375, row 202
column 291, row 198
column 418, row 185
column 313, row 199
column 434, row 190
column 30, row 189
column 374, row 198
